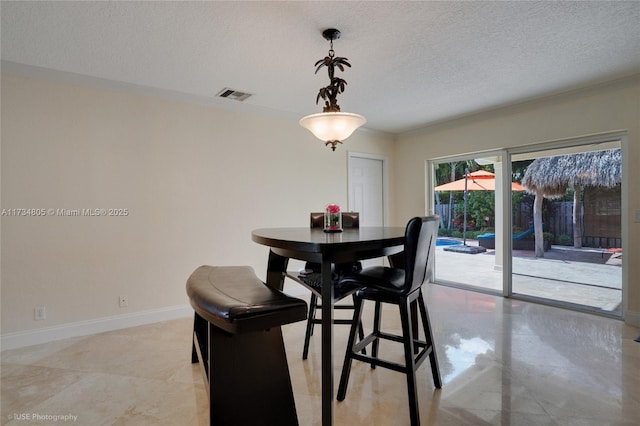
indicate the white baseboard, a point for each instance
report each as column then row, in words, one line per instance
column 99, row 325
column 632, row 318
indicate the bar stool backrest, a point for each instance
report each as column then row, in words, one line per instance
column 419, row 251
column 349, row 220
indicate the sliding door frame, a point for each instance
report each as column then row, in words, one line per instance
column 504, row 204
column 617, row 139
column 507, row 155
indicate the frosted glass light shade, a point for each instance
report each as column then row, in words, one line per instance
column 332, row 126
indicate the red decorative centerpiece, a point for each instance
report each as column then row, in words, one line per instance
column 332, row 218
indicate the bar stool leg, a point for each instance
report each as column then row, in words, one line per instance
column 346, row 367
column 313, row 303
column 433, row 359
column 377, row 315
column 410, row 364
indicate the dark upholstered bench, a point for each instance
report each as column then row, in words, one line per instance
column 238, row 340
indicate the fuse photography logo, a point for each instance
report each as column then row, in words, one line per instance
column 43, row 418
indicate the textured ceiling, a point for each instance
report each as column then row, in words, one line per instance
column 413, row 63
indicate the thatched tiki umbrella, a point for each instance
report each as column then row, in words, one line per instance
column 551, row 176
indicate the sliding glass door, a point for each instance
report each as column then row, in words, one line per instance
column 465, row 194
column 558, row 207
column 567, row 239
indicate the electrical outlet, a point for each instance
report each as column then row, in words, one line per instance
column 40, row 313
column 123, row 301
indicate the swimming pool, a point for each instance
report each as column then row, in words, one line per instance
column 446, row 242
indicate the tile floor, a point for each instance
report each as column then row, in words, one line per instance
column 503, row 362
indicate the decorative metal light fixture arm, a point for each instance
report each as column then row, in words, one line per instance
column 336, row 85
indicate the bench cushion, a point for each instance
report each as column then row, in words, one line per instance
column 234, row 299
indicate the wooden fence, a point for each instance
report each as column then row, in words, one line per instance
column 558, row 219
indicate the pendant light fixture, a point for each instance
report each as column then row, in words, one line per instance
column 332, row 126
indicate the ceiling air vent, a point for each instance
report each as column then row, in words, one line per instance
column 233, row 94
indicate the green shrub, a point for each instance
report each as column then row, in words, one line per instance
column 474, row 234
column 546, row 236
column 444, row 232
column 564, row 240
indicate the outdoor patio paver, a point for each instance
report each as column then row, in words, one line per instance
column 574, row 276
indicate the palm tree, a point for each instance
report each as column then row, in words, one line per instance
column 331, row 62
column 336, row 85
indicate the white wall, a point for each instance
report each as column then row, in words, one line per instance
column 606, row 108
column 195, row 180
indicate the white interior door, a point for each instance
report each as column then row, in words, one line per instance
column 366, row 189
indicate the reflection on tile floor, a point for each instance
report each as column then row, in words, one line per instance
column 503, row 362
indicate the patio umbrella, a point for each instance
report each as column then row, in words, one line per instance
column 480, row 180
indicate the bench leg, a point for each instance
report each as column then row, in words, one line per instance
column 199, row 334
column 200, row 346
column 249, row 379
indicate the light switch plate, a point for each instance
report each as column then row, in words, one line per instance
column 637, row 216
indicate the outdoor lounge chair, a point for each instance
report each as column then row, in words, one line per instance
column 488, row 240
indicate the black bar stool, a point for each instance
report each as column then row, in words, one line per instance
column 402, row 287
